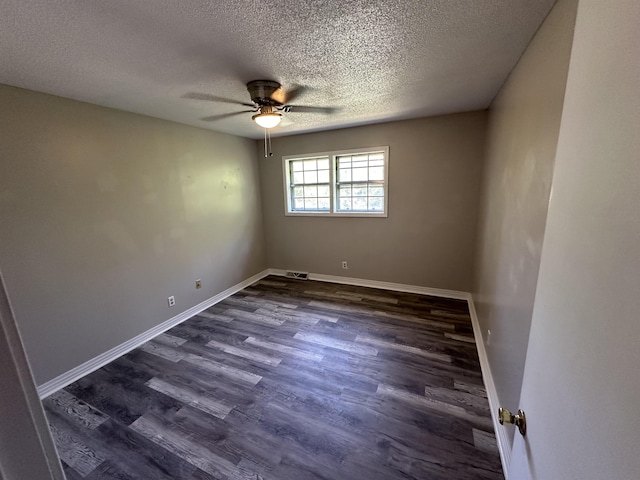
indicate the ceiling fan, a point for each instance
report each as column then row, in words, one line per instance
column 268, row 101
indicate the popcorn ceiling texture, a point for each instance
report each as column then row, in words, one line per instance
column 377, row 60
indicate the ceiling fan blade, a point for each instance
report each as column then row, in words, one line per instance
column 214, row 98
column 213, row 118
column 294, row 93
column 308, row 109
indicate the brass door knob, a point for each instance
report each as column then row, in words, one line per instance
column 519, row 419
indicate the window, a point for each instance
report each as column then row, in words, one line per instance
column 345, row 183
column 310, row 184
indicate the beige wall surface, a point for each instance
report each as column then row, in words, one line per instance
column 581, row 387
column 524, row 122
column 428, row 237
column 105, row 214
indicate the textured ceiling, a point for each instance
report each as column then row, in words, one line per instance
column 376, row 60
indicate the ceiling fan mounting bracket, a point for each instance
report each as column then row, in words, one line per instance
column 266, row 93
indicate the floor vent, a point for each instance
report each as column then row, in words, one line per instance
column 300, row 275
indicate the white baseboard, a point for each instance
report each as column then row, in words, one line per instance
column 504, row 445
column 101, row 360
column 398, row 287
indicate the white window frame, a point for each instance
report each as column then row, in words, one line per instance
column 332, row 155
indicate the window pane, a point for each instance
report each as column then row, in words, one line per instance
column 323, row 164
column 298, row 191
column 344, row 162
column 376, row 190
column 376, row 173
column 360, row 165
column 311, row 191
column 298, row 204
column 376, row 156
column 345, row 204
column 359, row 203
column 359, row 190
column 323, row 203
column 376, row 203
column 324, row 191
column 310, row 165
column 344, row 175
column 298, row 177
column 359, row 174
column 310, row 203
column 344, row 191
column 361, row 158
column 296, row 166
column 311, row 177
column 323, row 176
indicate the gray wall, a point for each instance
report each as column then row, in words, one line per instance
column 105, row 214
column 428, row 237
column 26, row 447
column 581, row 386
column 524, row 121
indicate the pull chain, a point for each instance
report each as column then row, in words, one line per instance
column 267, row 143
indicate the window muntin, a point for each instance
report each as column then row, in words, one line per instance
column 341, row 183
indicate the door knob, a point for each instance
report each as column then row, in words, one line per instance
column 519, row 419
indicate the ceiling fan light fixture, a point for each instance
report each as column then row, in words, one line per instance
column 267, row 120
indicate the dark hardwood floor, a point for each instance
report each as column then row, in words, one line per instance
column 289, row 380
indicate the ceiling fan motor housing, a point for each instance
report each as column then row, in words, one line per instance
column 266, row 93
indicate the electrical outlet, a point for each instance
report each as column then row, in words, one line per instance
column 171, row 301
column 344, row 265
column 198, row 284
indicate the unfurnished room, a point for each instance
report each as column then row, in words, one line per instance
column 362, row 240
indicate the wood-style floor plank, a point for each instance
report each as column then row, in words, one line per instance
column 289, row 380
column 76, row 410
